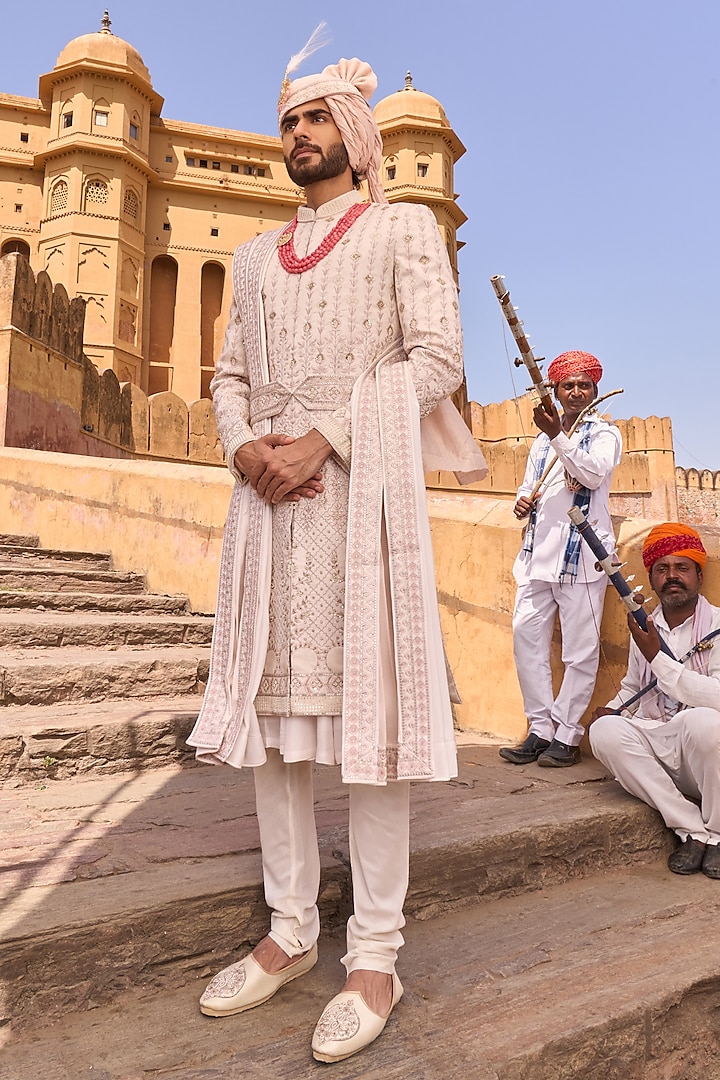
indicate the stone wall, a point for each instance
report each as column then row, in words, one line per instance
column 53, row 398
column 698, row 493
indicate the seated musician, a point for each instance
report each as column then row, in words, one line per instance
column 665, row 749
column 554, row 572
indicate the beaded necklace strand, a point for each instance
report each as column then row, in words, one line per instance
column 286, row 245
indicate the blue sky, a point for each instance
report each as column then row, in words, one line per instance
column 591, row 175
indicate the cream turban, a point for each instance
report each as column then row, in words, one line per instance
column 346, row 88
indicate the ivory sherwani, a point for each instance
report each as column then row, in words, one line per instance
column 340, row 338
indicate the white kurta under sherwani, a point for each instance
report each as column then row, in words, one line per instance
column 326, row 607
column 665, row 749
column 544, row 592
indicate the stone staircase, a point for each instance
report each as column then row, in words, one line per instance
column 546, row 938
column 85, row 650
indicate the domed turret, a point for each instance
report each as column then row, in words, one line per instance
column 104, row 48
column 410, row 104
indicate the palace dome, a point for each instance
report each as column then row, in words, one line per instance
column 410, row 102
column 104, row 47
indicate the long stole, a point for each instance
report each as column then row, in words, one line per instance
column 387, row 485
column 228, row 724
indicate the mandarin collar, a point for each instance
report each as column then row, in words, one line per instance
column 331, row 209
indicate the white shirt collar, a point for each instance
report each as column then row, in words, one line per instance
column 334, row 208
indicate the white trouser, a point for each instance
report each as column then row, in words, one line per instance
column 667, row 766
column 379, row 855
column 580, row 606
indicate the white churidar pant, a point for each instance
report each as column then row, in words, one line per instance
column 379, row 847
column 580, row 606
column 668, row 765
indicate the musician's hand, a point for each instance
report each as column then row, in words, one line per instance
column 600, row 711
column 648, row 643
column 523, row 507
column 547, row 419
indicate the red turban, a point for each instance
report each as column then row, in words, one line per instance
column 672, row 538
column 573, row 363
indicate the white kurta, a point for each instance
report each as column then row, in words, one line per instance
column 593, row 468
column 386, row 288
column 672, row 764
column 541, row 597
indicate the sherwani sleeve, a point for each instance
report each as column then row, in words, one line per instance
column 230, row 390
column 429, row 317
column 590, row 467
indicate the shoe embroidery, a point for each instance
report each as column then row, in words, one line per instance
column 338, row 1023
column 227, row 983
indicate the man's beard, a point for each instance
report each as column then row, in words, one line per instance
column 331, row 164
column 681, row 598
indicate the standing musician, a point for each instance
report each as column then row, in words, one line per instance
column 554, row 571
column 665, row 749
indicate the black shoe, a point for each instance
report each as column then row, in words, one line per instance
column 689, row 857
column 526, row 752
column 711, row 861
column 559, row 755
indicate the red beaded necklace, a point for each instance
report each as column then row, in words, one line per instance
column 286, row 246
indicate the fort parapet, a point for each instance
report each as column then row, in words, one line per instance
column 52, row 397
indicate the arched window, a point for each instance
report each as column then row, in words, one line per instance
column 131, row 204
column 212, row 281
column 163, row 290
column 15, row 245
column 58, row 198
column 96, row 193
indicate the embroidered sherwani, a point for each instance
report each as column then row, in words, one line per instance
column 385, row 291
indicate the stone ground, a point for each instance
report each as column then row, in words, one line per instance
column 546, row 938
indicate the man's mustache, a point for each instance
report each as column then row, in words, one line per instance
column 303, row 147
column 674, row 584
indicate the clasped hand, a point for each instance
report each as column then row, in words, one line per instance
column 283, row 469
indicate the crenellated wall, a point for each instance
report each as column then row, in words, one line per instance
column 52, row 396
column 644, row 482
column 698, row 493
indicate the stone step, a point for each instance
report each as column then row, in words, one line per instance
column 129, row 603
column 611, row 977
column 152, row 879
column 40, row 558
column 38, row 744
column 12, row 540
column 62, row 579
column 75, row 674
column 50, row 629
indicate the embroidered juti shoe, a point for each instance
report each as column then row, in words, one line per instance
column 246, row 984
column 347, row 1025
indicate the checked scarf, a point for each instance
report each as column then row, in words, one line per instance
column 581, row 498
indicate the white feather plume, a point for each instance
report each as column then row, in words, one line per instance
column 317, row 40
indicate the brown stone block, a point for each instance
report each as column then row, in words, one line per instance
column 76, row 329
column 109, row 407
column 204, row 441
column 89, row 414
column 168, row 426
column 17, row 292
column 134, row 414
column 41, row 317
column 59, row 317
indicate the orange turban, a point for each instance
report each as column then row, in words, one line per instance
column 573, row 363
column 672, row 538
